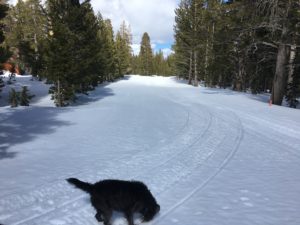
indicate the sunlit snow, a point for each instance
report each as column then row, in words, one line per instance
column 209, row 156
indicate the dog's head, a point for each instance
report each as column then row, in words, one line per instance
column 150, row 212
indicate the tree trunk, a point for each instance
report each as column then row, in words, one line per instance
column 36, row 50
column 290, row 92
column 291, row 65
column 238, row 83
column 280, row 78
column 212, row 81
column 59, row 95
column 196, row 73
column 191, row 68
column 207, row 83
column 208, row 57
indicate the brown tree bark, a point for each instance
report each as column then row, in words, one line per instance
column 280, row 78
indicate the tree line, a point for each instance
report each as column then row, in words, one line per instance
column 71, row 47
column 148, row 63
column 243, row 44
column 65, row 43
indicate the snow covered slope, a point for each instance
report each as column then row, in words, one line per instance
column 209, row 156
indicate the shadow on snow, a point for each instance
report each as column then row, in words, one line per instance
column 26, row 124
column 263, row 97
column 98, row 94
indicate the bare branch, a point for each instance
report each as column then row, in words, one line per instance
column 268, row 44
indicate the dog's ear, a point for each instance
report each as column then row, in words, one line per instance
column 145, row 213
column 157, row 208
column 99, row 217
column 150, row 212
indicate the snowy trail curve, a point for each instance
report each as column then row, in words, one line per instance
column 206, row 157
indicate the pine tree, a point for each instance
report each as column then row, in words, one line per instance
column 183, row 44
column 1, row 84
column 190, row 37
column 171, row 64
column 162, row 66
column 146, row 55
column 27, row 34
column 159, row 64
column 135, row 64
column 108, row 50
column 25, row 96
column 74, row 62
column 123, row 50
column 90, row 63
column 4, row 53
column 13, row 98
column 59, row 52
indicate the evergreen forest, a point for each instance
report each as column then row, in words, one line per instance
column 243, row 44
column 246, row 45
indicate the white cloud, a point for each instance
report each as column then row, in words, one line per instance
column 12, row 2
column 153, row 45
column 136, row 48
column 155, row 17
column 167, row 52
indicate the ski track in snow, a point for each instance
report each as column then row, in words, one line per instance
column 172, row 169
column 223, row 149
column 30, row 202
column 177, row 169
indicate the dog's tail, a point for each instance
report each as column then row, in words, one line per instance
column 87, row 187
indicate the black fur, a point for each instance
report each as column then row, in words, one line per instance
column 128, row 197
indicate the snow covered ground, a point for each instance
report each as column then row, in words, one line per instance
column 209, row 156
column 39, row 88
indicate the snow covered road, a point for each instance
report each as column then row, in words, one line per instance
column 210, row 156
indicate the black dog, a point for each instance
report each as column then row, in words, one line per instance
column 128, row 197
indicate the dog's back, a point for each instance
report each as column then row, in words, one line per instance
column 121, row 188
column 122, row 194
